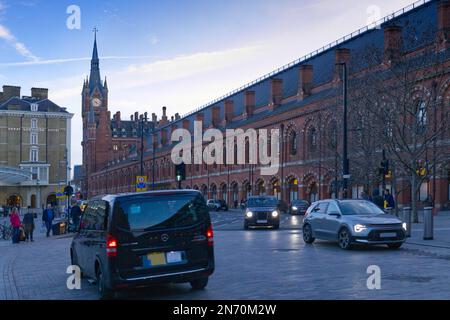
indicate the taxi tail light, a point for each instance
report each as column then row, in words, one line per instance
column 210, row 235
column 111, row 246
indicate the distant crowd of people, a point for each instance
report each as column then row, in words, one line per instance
column 23, row 229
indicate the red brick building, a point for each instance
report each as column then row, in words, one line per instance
column 301, row 99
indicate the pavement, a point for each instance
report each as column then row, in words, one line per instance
column 253, row 264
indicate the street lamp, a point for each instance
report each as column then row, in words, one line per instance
column 345, row 163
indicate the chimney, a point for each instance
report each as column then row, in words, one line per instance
column 136, row 116
column 154, row 118
column 39, row 93
column 186, row 123
column 341, row 55
column 171, row 119
column 131, row 118
column 164, row 116
column 215, row 115
column 392, row 43
column 444, row 22
column 177, row 116
column 276, row 92
column 305, row 83
column 249, row 103
column 229, row 109
column 10, row 91
column 118, row 121
column 163, row 137
column 200, row 117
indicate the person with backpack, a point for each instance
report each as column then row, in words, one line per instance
column 47, row 216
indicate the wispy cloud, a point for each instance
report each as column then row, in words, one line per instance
column 69, row 60
column 9, row 37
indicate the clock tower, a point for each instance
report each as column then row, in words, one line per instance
column 96, row 121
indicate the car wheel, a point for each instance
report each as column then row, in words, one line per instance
column 344, row 239
column 394, row 245
column 307, row 234
column 103, row 292
column 199, row 284
column 74, row 261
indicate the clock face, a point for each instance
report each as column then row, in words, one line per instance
column 96, row 102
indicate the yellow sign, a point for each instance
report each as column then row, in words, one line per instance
column 59, row 193
column 421, row 172
column 141, row 183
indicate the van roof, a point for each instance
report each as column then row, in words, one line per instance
column 158, row 192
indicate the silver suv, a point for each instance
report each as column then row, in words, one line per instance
column 352, row 221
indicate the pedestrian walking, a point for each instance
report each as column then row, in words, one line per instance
column 75, row 214
column 28, row 222
column 389, row 198
column 15, row 224
column 47, row 216
column 377, row 198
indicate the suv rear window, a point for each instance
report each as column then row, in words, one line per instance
column 159, row 211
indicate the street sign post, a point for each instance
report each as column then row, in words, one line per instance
column 141, row 183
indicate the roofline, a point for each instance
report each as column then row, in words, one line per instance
column 306, row 57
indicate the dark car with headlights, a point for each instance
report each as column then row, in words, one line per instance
column 137, row 239
column 298, row 207
column 352, row 222
column 262, row 211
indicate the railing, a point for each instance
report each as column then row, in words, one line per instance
column 310, row 55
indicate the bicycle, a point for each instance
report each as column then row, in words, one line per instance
column 5, row 231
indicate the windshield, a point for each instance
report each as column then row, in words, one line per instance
column 160, row 211
column 359, row 207
column 262, row 202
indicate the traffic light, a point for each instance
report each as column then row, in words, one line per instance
column 68, row 190
column 180, row 172
column 384, row 167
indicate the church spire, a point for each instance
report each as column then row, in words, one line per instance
column 94, row 78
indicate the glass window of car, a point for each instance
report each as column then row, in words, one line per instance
column 159, row 212
column 100, row 215
column 352, row 207
column 262, row 202
column 321, row 207
column 87, row 221
column 333, row 208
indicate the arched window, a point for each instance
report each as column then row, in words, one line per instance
column 312, row 139
column 421, row 117
column 293, row 143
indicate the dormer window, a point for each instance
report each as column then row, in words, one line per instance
column 34, row 107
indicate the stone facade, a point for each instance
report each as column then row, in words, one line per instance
column 34, row 147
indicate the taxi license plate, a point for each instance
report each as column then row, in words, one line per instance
column 388, row 235
column 162, row 258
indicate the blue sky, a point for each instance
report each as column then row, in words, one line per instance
column 179, row 54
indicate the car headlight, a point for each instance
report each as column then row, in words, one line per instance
column 249, row 214
column 404, row 226
column 294, row 208
column 274, row 214
column 359, row 227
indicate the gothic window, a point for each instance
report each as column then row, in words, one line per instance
column 293, row 143
column 421, row 117
column 312, row 139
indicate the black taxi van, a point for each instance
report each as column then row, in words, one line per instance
column 136, row 239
